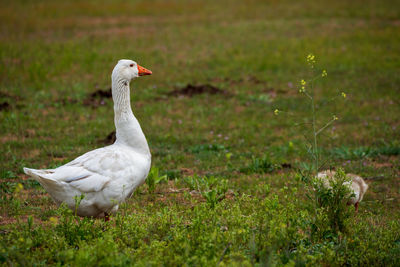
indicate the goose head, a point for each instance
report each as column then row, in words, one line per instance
column 128, row 70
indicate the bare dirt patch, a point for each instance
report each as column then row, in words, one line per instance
column 382, row 164
column 98, row 97
column 254, row 80
column 33, row 153
column 8, row 101
column 10, row 138
column 68, row 100
column 192, row 90
column 4, row 106
column 247, row 79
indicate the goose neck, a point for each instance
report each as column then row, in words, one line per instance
column 121, row 96
column 128, row 130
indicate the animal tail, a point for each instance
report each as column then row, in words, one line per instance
column 42, row 176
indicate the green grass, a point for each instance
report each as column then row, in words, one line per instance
column 54, row 54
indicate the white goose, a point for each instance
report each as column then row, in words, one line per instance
column 108, row 175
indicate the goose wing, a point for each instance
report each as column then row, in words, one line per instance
column 92, row 171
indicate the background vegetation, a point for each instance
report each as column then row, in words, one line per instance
column 225, row 189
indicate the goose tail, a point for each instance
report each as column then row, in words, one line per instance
column 42, row 176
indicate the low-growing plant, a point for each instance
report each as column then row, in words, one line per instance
column 172, row 174
column 7, row 174
column 260, row 165
column 200, row 183
column 212, row 188
column 10, row 203
column 73, row 228
column 389, row 150
column 78, row 200
column 207, row 148
column 215, row 193
column 154, row 178
column 348, row 153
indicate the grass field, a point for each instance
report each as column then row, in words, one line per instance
column 55, row 54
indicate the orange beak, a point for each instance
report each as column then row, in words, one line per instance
column 143, row 71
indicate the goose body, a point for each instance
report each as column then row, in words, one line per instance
column 105, row 176
column 357, row 185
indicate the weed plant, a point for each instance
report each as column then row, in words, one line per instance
column 260, row 165
column 155, row 178
column 212, row 188
column 307, row 88
column 326, row 200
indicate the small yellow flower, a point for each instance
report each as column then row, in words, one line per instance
column 291, row 144
column 335, row 118
column 18, row 188
column 303, row 82
column 53, row 220
column 302, row 89
column 324, row 73
column 344, row 95
column 228, row 156
column 310, row 58
column 276, row 111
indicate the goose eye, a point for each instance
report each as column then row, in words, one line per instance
column 131, row 65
